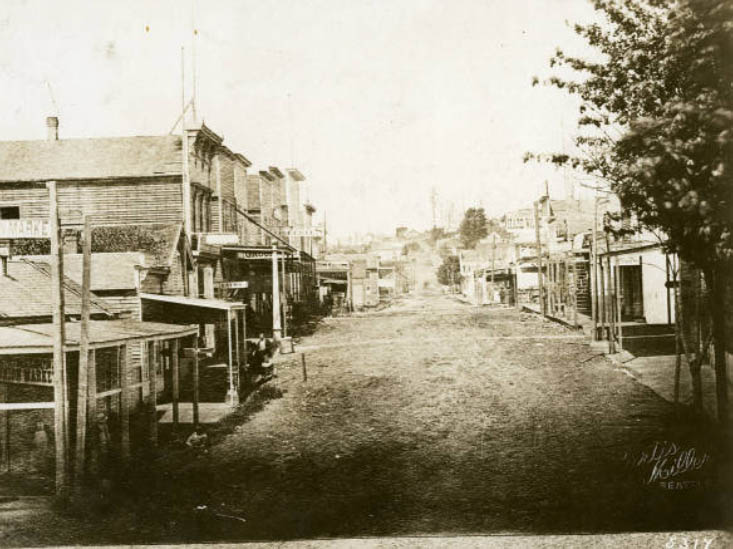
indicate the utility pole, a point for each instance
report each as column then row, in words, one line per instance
column 539, row 255
column 185, row 183
column 61, row 435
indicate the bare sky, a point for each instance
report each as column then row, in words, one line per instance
column 375, row 101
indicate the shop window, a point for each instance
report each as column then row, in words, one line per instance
column 107, row 363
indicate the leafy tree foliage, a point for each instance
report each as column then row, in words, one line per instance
column 474, row 227
column 449, row 271
column 657, row 119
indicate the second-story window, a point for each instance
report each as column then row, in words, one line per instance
column 9, row 212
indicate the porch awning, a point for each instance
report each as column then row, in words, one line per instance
column 38, row 338
column 198, row 302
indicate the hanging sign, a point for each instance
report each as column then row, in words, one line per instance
column 233, row 285
column 308, row 231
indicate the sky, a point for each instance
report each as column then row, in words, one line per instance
column 377, row 102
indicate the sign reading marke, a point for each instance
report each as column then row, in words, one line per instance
column 24, row 228
column 233, row 285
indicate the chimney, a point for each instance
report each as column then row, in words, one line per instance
column 52, row 127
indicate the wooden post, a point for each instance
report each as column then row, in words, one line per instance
column 4, row 428
column 550, row 286
column 618, row 305
column 82, row 392
column 232, row 395
column 124, row 355
column 175, row 381
column 593, row 274
column 602, row 286
column 276, row 326
column 305, row 371
column 574, row 288
column 244, row 337
column 195, row 378
column 539, row 256
column 285, row 297
column 153, row 382
column 92, row 412
column 236, row 343
column 61, row 435
column 611, row 300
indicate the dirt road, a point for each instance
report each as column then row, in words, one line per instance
column 433, row 416
column 436, row 417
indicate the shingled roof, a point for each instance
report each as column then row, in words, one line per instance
column 26, row 292
column 94, row 158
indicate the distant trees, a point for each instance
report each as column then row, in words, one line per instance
column 474, row 227
column 658, row 110
column 449, row 272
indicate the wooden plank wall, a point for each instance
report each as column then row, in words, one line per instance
column 136, row 201
column 144, row 200
column 31, row 198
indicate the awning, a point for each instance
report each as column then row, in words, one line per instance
column 199, row 302
column 38, row 338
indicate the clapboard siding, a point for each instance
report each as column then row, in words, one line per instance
column 144, row 200
column 31, row 198
column 226, row 177
column 240, row 187
column 173, row 284
column 137, row 201
column 126, row 304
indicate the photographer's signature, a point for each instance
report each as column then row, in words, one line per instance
column 668, row 461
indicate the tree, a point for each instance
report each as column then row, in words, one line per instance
column 474, row 227
column 659, row 107
column 449, row 272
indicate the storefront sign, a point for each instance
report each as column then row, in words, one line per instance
column 24, row 228
column 233, row 285
column 308, row 231
column 255, row 255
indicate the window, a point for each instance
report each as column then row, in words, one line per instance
column 9, row 212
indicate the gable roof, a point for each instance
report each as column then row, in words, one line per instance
column 93, row 158
column 26, row 292
column 113, row 271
